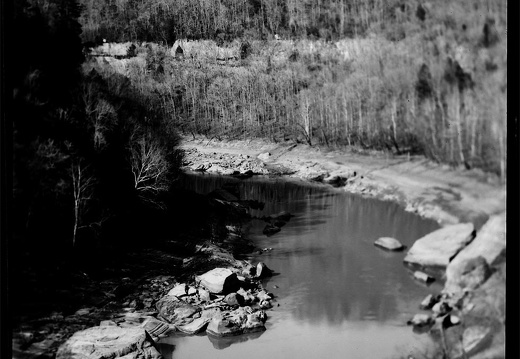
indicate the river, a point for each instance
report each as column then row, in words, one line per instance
column 337, row 295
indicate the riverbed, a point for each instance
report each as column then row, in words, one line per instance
column 337, row 295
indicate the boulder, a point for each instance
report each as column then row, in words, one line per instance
column 421, row 320
column 156, row 328
column 263, row 295
column 441, row 308
column 264, row 156
column 234, row 299
column 429, row 301
column 194, row 327
column 254, row 323
column 223, row 328
column 173, row 310
column 490, row 244
column 219, row 281
column 262, row 271
column 204, row 295
column 389, row 243
column 179, row 290
column 423, row 277
column 109, row 342
column 439, row 247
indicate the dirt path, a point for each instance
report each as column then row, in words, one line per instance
column 434, row 191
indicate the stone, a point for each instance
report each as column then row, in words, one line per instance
column 172, row 310
column 219, row 281
column 264, row 156
column 423, row 277
column 195, row 327
column 490, row 244
column 254, row 323
column 248, row 297
column 421, row 320
column 441, row 308
column 265, row 304
column 450, row 320
column 262, row 271
column 429, row 301
column 109, row 342
column 263, row 295
column 204, row 295
column 389, row 243
column 222, row 328
column 156, row 328
column 437, row 249
column 179, row 290
column 83, row 311
column 271, row 229
column 234, row 299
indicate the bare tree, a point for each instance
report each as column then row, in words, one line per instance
column 149, row 165
column 83, row 185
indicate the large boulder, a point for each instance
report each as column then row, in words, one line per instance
column 219, row 281
column 223, row 328
column 389, row 243
column 489, row 244
column 194, row 327
column 173, row 310
column 439, row 247
column 109, row 342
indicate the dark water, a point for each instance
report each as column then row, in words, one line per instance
column 339, row 295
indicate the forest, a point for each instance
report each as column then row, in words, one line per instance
column 95, row 146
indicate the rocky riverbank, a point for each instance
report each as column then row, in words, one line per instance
column 467, row 319
column 191, row 286
column 434, row 191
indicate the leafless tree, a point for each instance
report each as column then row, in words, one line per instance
column 83, row 185
column 149, row 165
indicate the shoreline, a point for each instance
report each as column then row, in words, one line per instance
column 433, row 191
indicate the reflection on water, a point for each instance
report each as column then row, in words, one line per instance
column 333, row 285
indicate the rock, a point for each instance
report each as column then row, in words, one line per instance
column 248, row 297
column 440, row 309
column 179, row 290
column 389, row 243
column 156, row 328
column 439, row 247
column 490, row 243
column 263, row 295
column 264, row 156
column 195, row 327
column 429, row 301
column 254, row 323
column 234, row 299
column 262, row 271
column 219, row 281
column 211, row 313
column 265, row 304
column 335, row 181
column 222, row 328
column 83, row 311
column 449, row 321
column 271, row 229
column 423, row 277
column 421, row 320
column 204, row 295
column 109, row 342
column 173, row 310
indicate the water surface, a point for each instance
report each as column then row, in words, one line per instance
column 339, row 296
